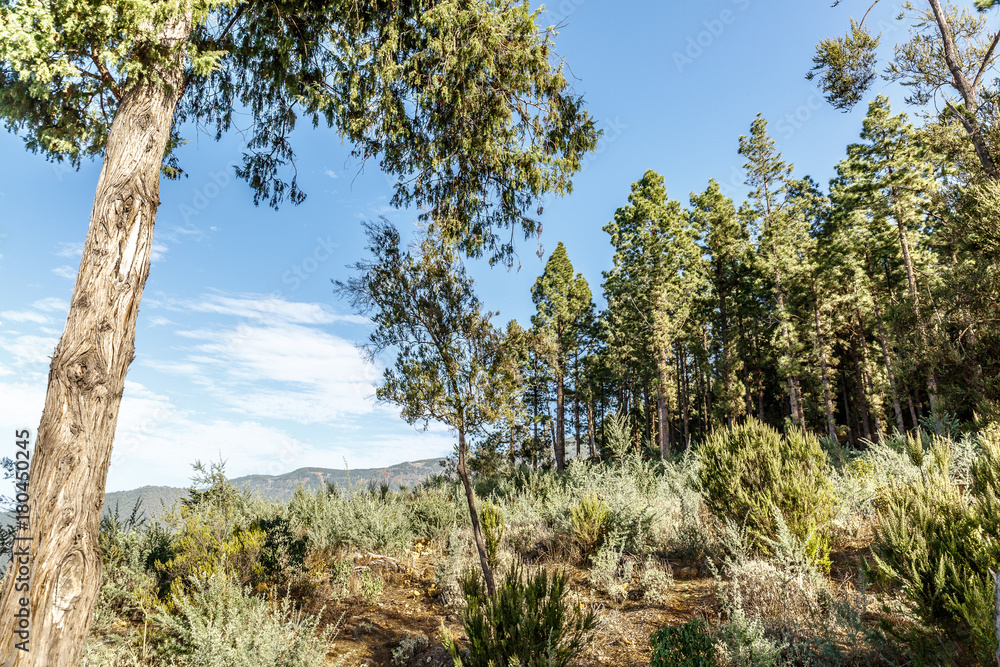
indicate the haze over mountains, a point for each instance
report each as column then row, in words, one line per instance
column 157, row 499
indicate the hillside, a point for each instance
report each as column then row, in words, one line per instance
column 156, row 499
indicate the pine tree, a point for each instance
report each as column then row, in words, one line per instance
column 768, row 175
column 564, row 306
column 895, row 181
column 727, row 243
column 652, row 288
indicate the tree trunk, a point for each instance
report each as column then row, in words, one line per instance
column 590, row 426
column 831, row 421
column 862, row 397
column 559, row 437
column 664, row 418
column 967, row 90
column 911, row 281
column 684, row 388
column 477, row 528
column 893, row 390
column 847, row 414
column 996, row 611
column 913, row 410
column 87, row 378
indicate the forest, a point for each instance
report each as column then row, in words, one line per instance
column 775, row 442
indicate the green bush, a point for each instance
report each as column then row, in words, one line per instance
column 589, row 519
column 688, row 645
column 938, row 543
column 492, row 519
column 219, row 624
column 750, row 470
column 529, row 623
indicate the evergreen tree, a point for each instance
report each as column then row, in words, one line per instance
column 778, row 244
column 652, row 288
column 896, row 182
column 727, row 243
column 564, row 307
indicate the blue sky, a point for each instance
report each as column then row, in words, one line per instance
column 243, row 351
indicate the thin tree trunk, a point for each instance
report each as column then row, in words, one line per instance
column 477, row 528
column 868, row 385
column 831, row 421
column 590, row 427
column 862, row 397
column 996, row 611
column 576, row 399
column 911, row 281
column 893, row 390
column 847, row 414
column 87, row 377
column 687, row 404
column 913, row 410
column 664, row 412
column 559, row 437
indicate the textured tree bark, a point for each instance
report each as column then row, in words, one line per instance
column 87, row 377
column 477, row 527
column 996, row 612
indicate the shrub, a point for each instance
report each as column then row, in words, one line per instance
column 219, row 624
column 656, row 580
column 748, row 470
column 938, row 543
column 611, row 573
column 688, row 645
column 589, row 519
column 492, row 519
column 528, row 623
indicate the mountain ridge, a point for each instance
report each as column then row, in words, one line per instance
column 156, row 500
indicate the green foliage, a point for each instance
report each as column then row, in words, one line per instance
column 492, row 518
column 938, row 543
column 590, row 523
column 749, row 470
column 688, row 645
column 387, row 77
column 846, row 66
column 219, row 624
column 529, row 622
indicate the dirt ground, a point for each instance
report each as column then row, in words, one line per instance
column 411, row 607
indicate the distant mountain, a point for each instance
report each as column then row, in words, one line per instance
column 157, row 499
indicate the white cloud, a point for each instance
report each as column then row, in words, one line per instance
column 331, row 173
column 51, row 304
column 24, row 316
column 22, row 403
column 157, row 252
column 69, row 250
column 29, row 349
column 67, row 272
column 287, row 371
column 158, row 321
column 272, row 310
